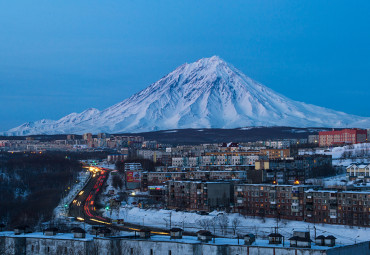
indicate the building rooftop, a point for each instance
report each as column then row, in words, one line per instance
column 167, row 238
column 61, row 236
column 231, row 241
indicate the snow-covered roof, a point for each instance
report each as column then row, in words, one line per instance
column 227, row 241
column 323, row 191
column 62, row 236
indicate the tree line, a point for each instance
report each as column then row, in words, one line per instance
column 31, row 185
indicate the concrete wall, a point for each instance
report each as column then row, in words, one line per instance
column 57, row 246
column 2, row 244
column 22, row 245
column 15, row 246
column 253, row 250
column 141, row 247
column 361, row 248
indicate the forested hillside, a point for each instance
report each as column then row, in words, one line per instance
column 31, row 185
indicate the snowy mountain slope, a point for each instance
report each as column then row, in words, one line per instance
column 209, row 93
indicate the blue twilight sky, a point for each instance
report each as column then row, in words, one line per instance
column 58, row 57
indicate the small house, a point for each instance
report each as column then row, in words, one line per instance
column 78, row 233
column 95, row 230
column 300, row 239
column 330, row 241
column 22, row 229
column 144, row 233
column 50, row 231
column 204, row 235
column 176, row 233
column 275, row 238
column 249, row 239
column 104, row 232
column 320, row 240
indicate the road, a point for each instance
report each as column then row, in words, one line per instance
column 83, row 206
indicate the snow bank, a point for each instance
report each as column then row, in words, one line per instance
column 260, row 227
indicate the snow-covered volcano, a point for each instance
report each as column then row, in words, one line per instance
column 209, row 93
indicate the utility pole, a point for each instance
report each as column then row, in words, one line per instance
column 170, row 220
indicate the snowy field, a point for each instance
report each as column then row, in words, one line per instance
column 260, row 227
column 356, row 153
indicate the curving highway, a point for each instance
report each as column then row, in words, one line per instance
column 83, row 206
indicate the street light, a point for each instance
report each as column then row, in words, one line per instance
column 356, row 238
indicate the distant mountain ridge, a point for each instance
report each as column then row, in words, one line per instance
column 208, row 93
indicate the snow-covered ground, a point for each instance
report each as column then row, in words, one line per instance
column 356, row 153
column 332, row 181
column 260, row 227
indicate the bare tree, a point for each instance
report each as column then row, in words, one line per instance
column 223, row 222
column 213, row 224
column 235, row 224
column 205, row 223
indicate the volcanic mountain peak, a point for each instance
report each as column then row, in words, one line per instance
column 209, row 93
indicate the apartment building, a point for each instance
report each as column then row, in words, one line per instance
column 159, row 178
column 288, row 171
column 268, row 200
column 269, row 153
column 218, row 160
column 344, row 136
column 334, row 207
column 303, row 202
column 198, row 195
column 358, row 172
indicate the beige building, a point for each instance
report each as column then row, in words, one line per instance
column 359, row 172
